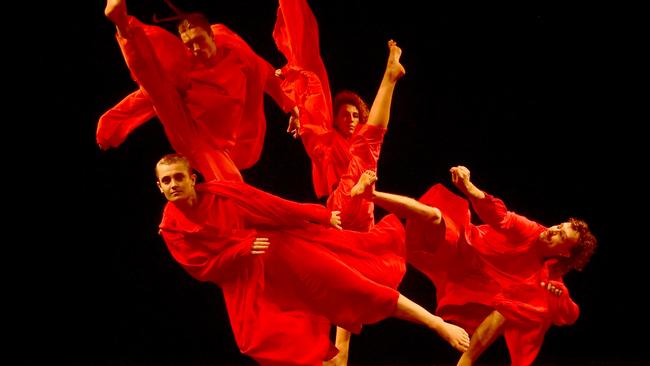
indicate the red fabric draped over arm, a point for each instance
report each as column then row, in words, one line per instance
column 261, row 208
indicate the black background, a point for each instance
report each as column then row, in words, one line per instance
column 533, row 99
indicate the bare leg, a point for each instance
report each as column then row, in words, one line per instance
column 364, row 185
column 115, row 11
column 486, row 333
column 343, row 344
column 407, row 207
column 455, row 335
column 380, row 109
column 379, row 116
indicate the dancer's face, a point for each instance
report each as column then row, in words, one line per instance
column 346, row 119
column 559, row 239
column 200, row 42
column 176, row 182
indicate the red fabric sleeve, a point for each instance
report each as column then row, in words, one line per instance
column 562, row 308
column 261, row 208
column 118, row 122
column 296, row 36
column 306, row 83
column 493, row 211
column 218, row 261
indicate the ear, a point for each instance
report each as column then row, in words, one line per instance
column 159, row 186
column 193, row 177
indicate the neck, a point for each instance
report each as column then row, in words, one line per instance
column 187, row 204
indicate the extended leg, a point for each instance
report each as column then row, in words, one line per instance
column 486, row 333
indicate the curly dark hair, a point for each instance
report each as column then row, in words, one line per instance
column 350, row 97
column 580, row 253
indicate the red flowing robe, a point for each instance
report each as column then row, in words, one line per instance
column 281, row 303
column 337, row 163
column 213, row 115
column 480, row 268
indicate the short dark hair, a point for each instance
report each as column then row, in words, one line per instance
column 173, row 159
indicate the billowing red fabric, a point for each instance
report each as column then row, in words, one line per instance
column 306, row 83
column 493, row 266
column 220, row 115
column 281, row 303
column 296, row 36
column 337, row 164
column 119, row 121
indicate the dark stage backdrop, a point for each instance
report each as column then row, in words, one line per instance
column 522, row 95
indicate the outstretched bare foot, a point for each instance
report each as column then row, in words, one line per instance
column 394, row 70
column 365, row 185
column 338, row 360
column 455, row 335
column 115, row 11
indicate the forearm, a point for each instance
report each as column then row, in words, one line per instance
column 406, row 207
column 472, row 192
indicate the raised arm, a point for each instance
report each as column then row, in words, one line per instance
column 460, row 178
column 490, row 209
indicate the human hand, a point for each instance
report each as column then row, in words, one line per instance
column 294, row 123
column 260, row 245
column 552, row 288
column 335, row 220
column 460, row 176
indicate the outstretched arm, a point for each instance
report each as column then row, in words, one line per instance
column 490, row 209
column 262, row 208
column 460, row 178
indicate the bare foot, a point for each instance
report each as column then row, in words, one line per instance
column 365, row 185
column 115, row 11
column 394, row 70
column 339, row 360
column 455, row 335
column 465, row 360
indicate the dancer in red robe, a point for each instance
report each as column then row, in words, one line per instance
column 284, row 275
column 500, row 278
column 207, row 90
column 343, row 146
column 345, row 143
